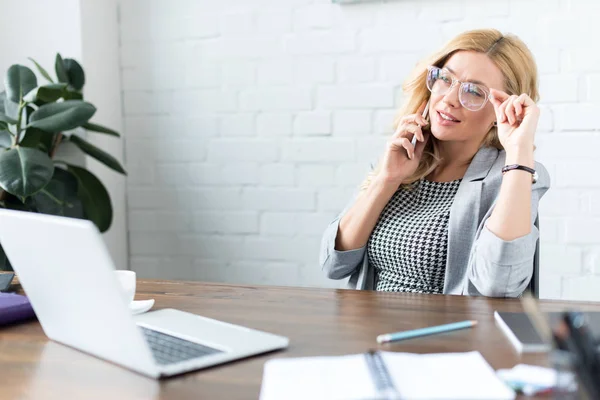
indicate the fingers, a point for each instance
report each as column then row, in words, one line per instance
column 518, row 108
column 410, row 126
column 403, row 143
column 501, row 113
column 498, row 108
column 515, row 110
column 498, row 99
column 495, row 102
column 510, row 110
column 414, row 118
column 498, row 96
column 421, row 146
column 520, row 104
column 416, row 131
column 410, row 149
column 409, row 129
column 527, row 101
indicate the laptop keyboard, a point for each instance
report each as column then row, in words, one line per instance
column 168, row 349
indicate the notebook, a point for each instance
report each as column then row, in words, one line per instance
column 350, row 377
column 520, row 331
column 14, row 308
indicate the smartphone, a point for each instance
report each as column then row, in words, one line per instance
column 424, row 115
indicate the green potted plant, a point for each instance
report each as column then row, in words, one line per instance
column 35, row 120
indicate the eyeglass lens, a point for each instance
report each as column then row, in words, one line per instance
column 472, row 96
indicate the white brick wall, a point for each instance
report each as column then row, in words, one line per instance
column 312, row 123
column 249, row 125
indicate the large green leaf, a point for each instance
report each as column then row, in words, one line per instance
column 37, row 139
column 44, row 73
column 94, row 197
column 99, row 128
column 98, row 154
column 7, row 119
column 46, row 93
column 19, row 81
column 5, row 139
column 10, row 108
column 59, row 197
column 59, row 66
column 57, row 117
column 28, row 110
column 7, row 107
column 75, row 73
column 24, row 171
column 71, row 95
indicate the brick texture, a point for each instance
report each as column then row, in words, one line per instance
column 250, row 124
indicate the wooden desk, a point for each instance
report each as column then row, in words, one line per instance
column 317, row 321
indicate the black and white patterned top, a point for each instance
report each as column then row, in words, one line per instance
column 409, row 245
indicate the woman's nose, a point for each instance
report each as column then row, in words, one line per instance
column 451, row 96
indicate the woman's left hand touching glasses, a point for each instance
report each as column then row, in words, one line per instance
column 517, row 118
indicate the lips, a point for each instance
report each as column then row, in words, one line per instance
column 447, row 115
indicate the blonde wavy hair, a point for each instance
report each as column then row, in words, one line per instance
column 506, row 51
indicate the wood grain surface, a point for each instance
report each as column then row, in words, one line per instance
column 317, row 321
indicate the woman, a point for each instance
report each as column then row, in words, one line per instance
column 455, row 213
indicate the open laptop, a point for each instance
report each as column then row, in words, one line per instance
column 67, row 273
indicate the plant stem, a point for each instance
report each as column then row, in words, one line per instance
column 19, row 118
column 55, row 143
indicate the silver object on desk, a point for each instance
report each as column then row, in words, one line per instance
column 67, row 273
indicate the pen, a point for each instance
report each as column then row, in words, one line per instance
column 392, row 337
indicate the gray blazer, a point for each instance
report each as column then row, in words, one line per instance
column 478, row 262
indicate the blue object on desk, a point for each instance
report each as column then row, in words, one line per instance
column 392, row 337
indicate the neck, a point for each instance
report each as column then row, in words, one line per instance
column 455, row 159
column 455, row 154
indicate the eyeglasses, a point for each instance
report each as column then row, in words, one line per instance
column 471, row 95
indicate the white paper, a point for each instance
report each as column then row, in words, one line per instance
column 334, row 378
column 426, row 376
column 445, row 376
column 534, row 378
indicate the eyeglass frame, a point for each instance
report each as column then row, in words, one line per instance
column 486, row 90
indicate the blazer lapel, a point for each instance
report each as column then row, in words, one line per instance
column 464, row 219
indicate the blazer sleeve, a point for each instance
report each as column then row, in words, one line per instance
column 500, row 268
column 339, row 264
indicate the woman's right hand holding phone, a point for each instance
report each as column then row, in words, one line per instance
column 401, row 159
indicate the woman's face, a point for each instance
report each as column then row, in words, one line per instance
column 465, row 125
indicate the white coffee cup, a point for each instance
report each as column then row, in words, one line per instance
column 127, row 284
